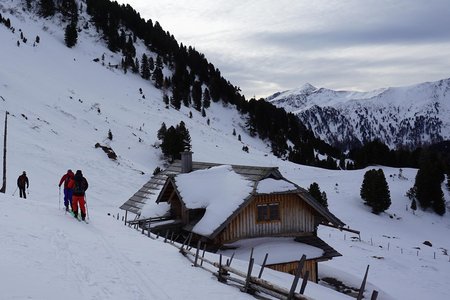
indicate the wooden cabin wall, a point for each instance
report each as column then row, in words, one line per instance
column 296, row 218
column 176, row 209
column 291, row 268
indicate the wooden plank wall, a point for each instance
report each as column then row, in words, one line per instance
column 296, row 218
column 291, row 268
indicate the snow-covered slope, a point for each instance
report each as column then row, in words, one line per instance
column 403, row 116
column 61, row 103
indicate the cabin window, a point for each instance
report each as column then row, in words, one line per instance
column 268, row 212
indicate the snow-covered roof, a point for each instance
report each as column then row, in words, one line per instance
column 280, row 250
column 270, row 185
column 210, row 189
column 222, row 190
column 142, row 202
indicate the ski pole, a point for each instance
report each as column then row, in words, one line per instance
column 15, row 191
column 85, row 202
column 59, row 204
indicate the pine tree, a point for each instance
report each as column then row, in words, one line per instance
column 151, row 64
column 197, row 95
column 162, row 131
column 185, row 136
column 439, row 203
column 46, row 8
column 158, row 78
column 166, row 100
column 375, row 191
column 69, row 9
column 156, row 171
column 315, row 192
column 428, row 184
column 448, row 180
column 174, row 140
column 206, row 99
column 135, row 68
column 414, row 205
column 159, row 63
column 71, row 35
column 145, row 70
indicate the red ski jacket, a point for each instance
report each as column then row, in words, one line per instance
column 66, row 179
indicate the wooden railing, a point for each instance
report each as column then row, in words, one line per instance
column 225, row 273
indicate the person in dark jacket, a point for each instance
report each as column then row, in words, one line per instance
column 22, row 181
column 79, row 191
column 67, row 179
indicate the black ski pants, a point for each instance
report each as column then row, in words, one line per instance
column 22, row 193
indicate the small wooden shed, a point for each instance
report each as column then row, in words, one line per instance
column 223, row 204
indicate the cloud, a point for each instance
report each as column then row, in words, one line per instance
column 265, row 46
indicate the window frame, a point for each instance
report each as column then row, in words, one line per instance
column 268, row 212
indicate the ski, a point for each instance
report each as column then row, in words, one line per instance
column 70, row 213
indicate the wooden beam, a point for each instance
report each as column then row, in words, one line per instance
column 363, row 285
column 297, row 277
column 305, row 281
column 342, row 228
column 263, row 265
column 3, row 189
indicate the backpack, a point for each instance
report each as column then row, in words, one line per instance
column 22, row 180
column 79, row 186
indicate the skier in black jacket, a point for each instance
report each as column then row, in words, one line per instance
column 21, row 182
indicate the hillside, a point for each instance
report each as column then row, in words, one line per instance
column 61, row 103
column 400, row 117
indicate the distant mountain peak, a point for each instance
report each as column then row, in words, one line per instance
column 408, row 116
column 308, row 87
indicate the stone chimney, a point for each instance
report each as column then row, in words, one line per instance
column 186, row 161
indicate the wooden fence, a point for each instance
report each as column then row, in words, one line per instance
column 246, row 281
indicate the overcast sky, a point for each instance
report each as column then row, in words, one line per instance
column 265, row 46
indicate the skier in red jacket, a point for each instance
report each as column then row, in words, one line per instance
column 67, row 179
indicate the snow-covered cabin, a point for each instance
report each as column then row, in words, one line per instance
column 237, row 207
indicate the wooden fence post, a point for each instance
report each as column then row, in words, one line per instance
column 297, row 276
column 246, row 287
column 188, row 245
column 363, row 285
column 263, row 265
column 196, row 252
column 203, row 255
column 231, row 259
column 3, row 188
column 305, row 281
column 185, row 241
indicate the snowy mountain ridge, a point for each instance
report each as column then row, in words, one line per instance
column 398, row 116
column 61, row 102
